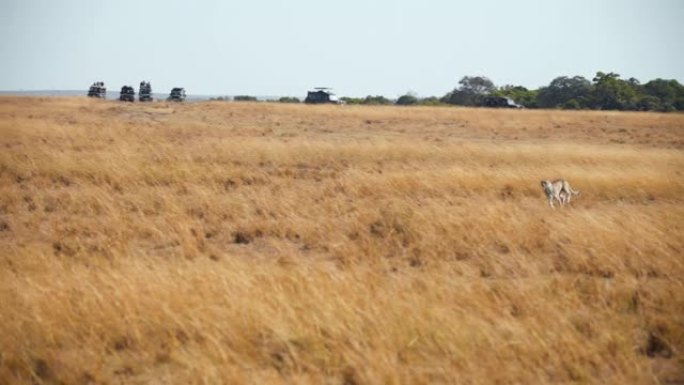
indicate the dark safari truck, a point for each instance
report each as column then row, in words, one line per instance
column 145, row 92
column 97, row 90
column 177, row 95
column 127, row 94
column 501, row 102
column 321, row 95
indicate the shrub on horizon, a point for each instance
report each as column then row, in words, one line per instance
column 289, row 99
column 407, row 100
column 245, row 98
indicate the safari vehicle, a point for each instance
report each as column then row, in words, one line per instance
column 501, row 102
column 127, row 94
column 97, row 90
column 177, row 95
column 321, row 95
column 145, row 92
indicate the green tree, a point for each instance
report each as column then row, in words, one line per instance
column 612, row 93
column 407, row 100
column 471, row 91
column 669, row 92
column 648, row 103
column 563, row 89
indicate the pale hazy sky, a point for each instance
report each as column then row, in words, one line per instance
column 358, row 47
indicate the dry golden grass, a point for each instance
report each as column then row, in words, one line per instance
column 264, row 243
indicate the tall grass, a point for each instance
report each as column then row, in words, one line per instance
column 265, row 243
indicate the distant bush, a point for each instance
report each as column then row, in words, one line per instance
column 221, row 98
column 349, row 100
column 244, row 98
column 376, row 100
column 667, row 107
column 648, row 103
column 571, row 104
column 289, row 99
column 404, row 100
column 430, row 101
column 407, row 100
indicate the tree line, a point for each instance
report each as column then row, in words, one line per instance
column 606, row 91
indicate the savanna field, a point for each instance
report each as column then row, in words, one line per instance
column 263, row 243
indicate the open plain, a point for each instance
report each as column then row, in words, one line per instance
column 263, row 243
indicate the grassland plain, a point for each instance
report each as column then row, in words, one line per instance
column 254, row 243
